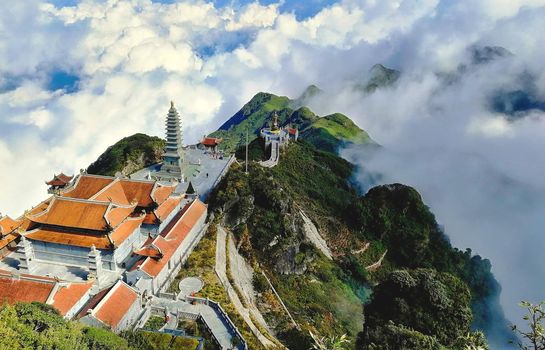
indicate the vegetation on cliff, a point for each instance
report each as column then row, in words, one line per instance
column 128, row 155
column 421, row 309
column 390, row 221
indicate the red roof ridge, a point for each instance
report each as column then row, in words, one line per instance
column 104, row 189
column 112, row 206
column 9, row 226
column 158, row 185
column 68, row 294
column 75, row 184
column 111, row 316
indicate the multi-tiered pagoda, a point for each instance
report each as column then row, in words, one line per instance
column 173, row 159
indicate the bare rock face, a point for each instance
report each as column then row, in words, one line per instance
column 238, row 210
column 287, row 261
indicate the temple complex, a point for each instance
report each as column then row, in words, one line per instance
column 100, row 248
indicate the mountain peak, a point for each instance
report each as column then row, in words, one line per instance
column 485, row 54
column 381, row 76
column 310, row 92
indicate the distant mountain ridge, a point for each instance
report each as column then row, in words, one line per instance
column 327, row 133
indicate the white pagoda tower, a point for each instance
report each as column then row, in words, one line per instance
column 173, row 158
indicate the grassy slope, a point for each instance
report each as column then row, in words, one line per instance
column 332, row 131
column 323, row 299
column 252, row 117
column 326, row 133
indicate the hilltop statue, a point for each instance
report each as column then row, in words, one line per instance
column 274, row 123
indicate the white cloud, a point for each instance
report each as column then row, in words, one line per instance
column 132, row 57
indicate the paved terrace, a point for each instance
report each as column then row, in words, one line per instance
column 62, row 272
column 204, row 170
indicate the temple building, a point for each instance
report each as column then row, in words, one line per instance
column 66, row 297
column 58, row 182
column 174, row 163
column 210, row 144
column 275, row 138
column 102, row 213
column 8, row 235
column 118, row 308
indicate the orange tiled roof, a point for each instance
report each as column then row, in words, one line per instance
column 169, row 241
column 115, row 304
column 138, row 191
column 8, row 225
column 13, row 290
column 75, row 213
column 67, row 296
column 87, row 186
column 149, row 251
column 164, row 210
column 162, row 192
column 123, row 231
column 70, row 238
column 112, row 193
column 59, row 180
column 292, row 131
column 191, row 214
column 7, row 239
column 93, row 302
column 116, row 215
column 210, row 141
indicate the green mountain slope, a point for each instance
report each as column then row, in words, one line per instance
column 332, row 131
column 128, row 155
column 263, row 210
column 252, row 117
column 326, row 133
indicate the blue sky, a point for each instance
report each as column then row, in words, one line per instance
column 302, row 9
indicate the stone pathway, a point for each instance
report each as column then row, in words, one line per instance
column 221, row 263
column 312, row 234
column 275, row 155
column 243, row 275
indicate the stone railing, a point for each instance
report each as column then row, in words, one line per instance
column 171, row 296
column 224, row 316
column 143, row 318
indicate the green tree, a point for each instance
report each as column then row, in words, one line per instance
column 331, row 343
column 416, row 306
column 534, row 337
